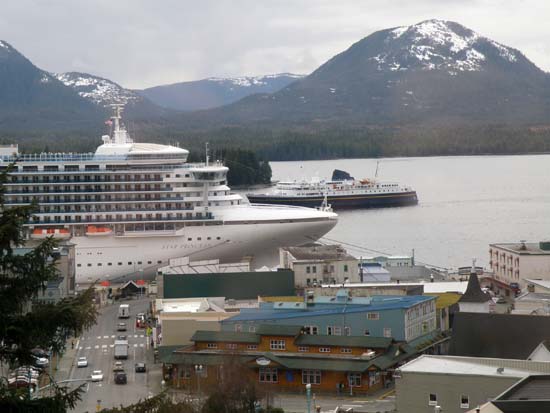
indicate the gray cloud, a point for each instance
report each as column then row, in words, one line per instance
column 141, row 43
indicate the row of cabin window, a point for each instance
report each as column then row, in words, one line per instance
column 464, row 400
column 99, row 264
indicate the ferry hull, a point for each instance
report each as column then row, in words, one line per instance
column 340, row 202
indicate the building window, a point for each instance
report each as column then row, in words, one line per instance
column 268, row 375
column 432, row 401
column 211, row 345
column 464, row 402
column 311, row 376
column 354, row 379
column 345, row 267
column 314, row 269
column 303, row 349
column 277, row 344
column 373, row 316
column 308, row 270
column 252, row 347
column 231, row 346
column 324, row 349
column 186, row 374
column 367, row 332
column 252, row 329
column 311, row 330
column 238, row 328
column 387, row 332
column 347, row 331
column 334, row 331
column 345, row 350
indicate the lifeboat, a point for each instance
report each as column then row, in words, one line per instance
column 94, row 231
column 365, row 181
column 42, row 233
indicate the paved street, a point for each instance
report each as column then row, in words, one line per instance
column 97, row 345
column 297, row 403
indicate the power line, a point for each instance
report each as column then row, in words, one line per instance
column 362, row 248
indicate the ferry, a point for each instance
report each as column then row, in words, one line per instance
column 130, row 207
column 339, row 194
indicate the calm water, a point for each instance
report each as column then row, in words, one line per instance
column 465, row 204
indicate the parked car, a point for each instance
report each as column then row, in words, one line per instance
column 97, row 375
column 122, row 337
column 41, row 361
column 82, row 362
column 38, row 352
column 501, row 300
column 118, row 366
column 120, row 378
column 140, row 368
column 121, row 327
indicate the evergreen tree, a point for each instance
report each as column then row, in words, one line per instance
column 25, row 323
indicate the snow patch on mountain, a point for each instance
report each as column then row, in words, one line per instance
column 248, row 81
column 96, row 89
column 4, row 45
column 437, row 45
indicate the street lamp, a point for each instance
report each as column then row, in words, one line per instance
column 198, row 372
column 308, row 397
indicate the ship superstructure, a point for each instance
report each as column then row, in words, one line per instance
column 130, row 207
column 345, row 193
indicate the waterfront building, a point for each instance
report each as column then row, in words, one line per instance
column 403, row 318
column 517, row 262
column 318, row 264
column 284, row 358
column 457, row 384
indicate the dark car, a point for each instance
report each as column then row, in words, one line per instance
column 121, row 327
column 120, row 378
column 140, row 368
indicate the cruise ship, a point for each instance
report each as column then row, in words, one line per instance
column 339, row 194
column 130, row 207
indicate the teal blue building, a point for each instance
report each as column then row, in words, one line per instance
column 403, row 318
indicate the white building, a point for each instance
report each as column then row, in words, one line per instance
column 474, row 300
column 319, row 264
column 516, row 262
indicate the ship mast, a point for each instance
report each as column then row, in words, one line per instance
column 120, row 134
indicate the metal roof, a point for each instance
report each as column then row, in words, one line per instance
column 225, row 336
column 278, row 330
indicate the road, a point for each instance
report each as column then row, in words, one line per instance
column 97, row 345
column 297, row 403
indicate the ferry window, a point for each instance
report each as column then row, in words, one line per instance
column 129, row 262
column 199, row 239
column 189, row 239
column 119, row 263
column 99, row 264
column 139, row 262
column 159, row 262
column 89, row 265
column 109, row 263
column 79, row 265
column 208, row 238
column 149, row 262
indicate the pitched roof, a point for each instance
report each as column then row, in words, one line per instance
column 512, row 336
column 473, row 292
column 345, row 341
column 279, row 330
column 225, row 336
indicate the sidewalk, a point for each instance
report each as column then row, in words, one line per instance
column 66, row 361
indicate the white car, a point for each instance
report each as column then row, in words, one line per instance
column 97, row 375
column 82, row 362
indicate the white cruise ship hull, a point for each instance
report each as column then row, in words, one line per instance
column 122, row 258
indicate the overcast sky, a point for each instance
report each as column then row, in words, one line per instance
column 142, row 43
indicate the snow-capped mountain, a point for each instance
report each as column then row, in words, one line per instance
column 96, row 89
column 34, row 99
column 104, row 92
column 213, row 92
column 439, row 45
column 433, row 71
